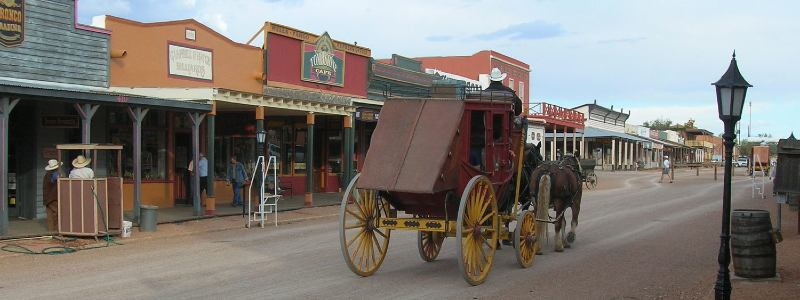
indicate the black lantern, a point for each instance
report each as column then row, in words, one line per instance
column 731, row 89
column 262, row 135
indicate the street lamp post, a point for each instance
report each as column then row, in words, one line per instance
column 731, row 89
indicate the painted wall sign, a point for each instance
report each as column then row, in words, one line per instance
column 367, row 115
column 322, row 63
column 190, row 62
column 12, row 22
column 61, row 121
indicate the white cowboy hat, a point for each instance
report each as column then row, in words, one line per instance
column 52, row 165
column 496, row 75
column 665, row 156
column 80, row 161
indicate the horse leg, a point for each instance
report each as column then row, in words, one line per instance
column 576, row 210
column 542, row 210
column 559, row 226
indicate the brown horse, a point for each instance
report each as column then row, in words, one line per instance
column 558, row 184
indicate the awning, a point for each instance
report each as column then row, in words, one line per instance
column 71, row 93
column 591, row 132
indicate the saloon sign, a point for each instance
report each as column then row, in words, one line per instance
column 322, row 63
column 12, row 22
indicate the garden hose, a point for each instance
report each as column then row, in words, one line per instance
column 64, row 249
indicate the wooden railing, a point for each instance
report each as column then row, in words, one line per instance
column 555, row 112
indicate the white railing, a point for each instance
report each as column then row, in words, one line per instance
column 268, row 197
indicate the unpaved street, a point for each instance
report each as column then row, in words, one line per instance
column 637, row 239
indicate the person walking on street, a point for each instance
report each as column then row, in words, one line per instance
column 236, row 176
column 666, row 170
column 50, row 193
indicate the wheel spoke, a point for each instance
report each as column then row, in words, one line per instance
column 352, row 213
column 360, row 232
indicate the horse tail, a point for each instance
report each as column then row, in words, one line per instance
column 542, row 208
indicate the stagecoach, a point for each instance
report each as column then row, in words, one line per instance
column 444, row 167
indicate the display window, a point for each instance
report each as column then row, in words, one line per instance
column 153, row 144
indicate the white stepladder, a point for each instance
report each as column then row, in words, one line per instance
column 758, row 183
column 269, row 197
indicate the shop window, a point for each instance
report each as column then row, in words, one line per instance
column 286, row 150
column 300, row 137
column 153, row 144
column 335, row 151
column 272, row 146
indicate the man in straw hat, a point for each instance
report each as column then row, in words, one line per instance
column 80, row 170
column 50, row 193
column 497, row 85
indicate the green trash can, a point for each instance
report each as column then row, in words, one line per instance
column 148, row 217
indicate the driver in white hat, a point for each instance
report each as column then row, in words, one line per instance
column 497, row 85
column 80, row 170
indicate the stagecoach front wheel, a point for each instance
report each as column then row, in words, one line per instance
column 591, row 181
column 429, row 244
column 363, row 242
column 525, row 239
column 479, row 228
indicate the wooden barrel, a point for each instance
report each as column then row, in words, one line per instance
column 751, row 244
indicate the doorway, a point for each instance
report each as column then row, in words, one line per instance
column 183, row 150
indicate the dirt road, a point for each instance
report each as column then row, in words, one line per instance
column 637, row 239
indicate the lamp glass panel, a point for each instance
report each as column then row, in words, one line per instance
column 725, row 101
column 738, row 101
column 261, row 136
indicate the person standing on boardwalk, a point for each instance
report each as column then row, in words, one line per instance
column 236, row 176
column 666, row 170
column 50, row 193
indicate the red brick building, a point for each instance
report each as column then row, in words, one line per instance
column 478, row 66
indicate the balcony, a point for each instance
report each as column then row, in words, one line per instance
column 556, row 114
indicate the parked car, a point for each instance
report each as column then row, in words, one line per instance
column 741, row 162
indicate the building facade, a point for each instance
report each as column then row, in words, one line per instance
column 54, row 83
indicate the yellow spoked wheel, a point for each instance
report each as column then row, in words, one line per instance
column 429, row 244
column 479, row 221
column 525, row 240
column 363, row 242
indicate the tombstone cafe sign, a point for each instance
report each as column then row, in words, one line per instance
column 12, row 22
column 322, row 62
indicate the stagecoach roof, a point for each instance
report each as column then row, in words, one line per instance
column 411, row 146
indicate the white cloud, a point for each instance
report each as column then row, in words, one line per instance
column 104, row 7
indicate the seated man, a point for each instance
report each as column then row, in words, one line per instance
column 475, row 159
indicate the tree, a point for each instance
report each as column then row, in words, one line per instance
column 658, row 124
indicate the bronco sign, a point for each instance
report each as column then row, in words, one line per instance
column 322, row 63
column 12, row 22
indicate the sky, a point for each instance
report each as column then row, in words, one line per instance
column 654, row 59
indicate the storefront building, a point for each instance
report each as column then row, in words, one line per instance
column 298, row 87
column 54, row 83
column 607, row 142
column 479, row 65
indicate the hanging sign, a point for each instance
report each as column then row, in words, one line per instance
column 12, row 22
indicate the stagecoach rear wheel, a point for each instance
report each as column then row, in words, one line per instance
column 429, row 244
column 591, row 181
column 525, row 239
column 363, row 242
column 479, row 229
